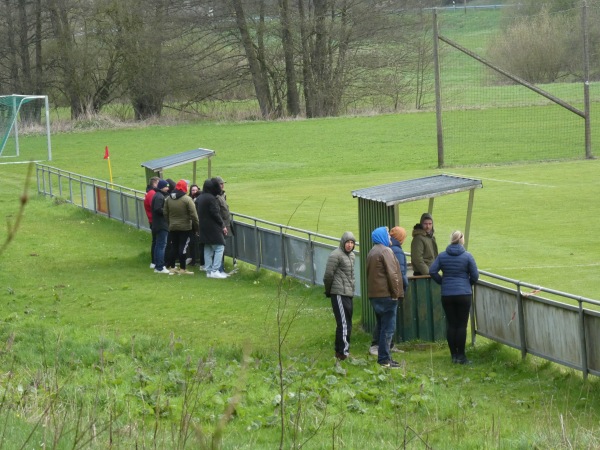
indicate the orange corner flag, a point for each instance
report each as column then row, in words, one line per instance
column 106, row 155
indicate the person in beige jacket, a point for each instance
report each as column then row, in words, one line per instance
column 385, row 290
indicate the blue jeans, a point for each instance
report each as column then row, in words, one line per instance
column 213, row 256
column 159, row 249
column 386, row 310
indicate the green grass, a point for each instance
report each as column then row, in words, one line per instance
column 95, row 350
column 87, row 324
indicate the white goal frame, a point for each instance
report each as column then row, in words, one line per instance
column 14, row 127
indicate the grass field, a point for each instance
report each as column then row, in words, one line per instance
column 91, row 336
column 97, row 352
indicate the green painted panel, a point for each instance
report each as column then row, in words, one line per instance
column 421, row 316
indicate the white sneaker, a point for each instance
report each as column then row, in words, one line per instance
column 202, row 268
column 374, row 350
column 164, row 270
column 218, row 275
column 209, row 274
column 152, row 265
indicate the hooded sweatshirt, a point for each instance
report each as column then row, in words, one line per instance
column 339, row 271
column 384, row 277
column 180, row 211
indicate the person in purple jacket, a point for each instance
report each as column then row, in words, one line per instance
column 459, row 274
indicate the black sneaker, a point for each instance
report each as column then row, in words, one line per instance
column 391, row 364
column 462, row 359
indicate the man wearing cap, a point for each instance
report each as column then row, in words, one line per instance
column 225, row 215
column 181, row 213
column 423, row 248
column 160, row 226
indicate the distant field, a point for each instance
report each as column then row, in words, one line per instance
column 302, row 173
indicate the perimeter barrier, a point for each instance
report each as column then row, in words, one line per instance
column 561, row 329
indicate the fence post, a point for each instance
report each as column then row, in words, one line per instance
column 520, row 312
column 584, row 359
column 283, row 259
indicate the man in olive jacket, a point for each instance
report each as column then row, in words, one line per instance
column 423, row 248
column 339, row 285
column 385, row 290
column 181, row 214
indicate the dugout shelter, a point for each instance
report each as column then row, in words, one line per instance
column 156, row 167
column 421, row 315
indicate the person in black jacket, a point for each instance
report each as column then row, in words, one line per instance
column 212, row 229
column 160, row 226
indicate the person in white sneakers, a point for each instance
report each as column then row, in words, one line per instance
column 160, row 226
column 339, row 286
column 212, row 229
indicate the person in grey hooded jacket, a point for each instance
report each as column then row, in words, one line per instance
column 459, row 274
column 339, row 286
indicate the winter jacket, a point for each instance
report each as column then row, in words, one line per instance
column 384, row 277
column 148, row 203
column 459, row 271
column 225, row 215
column 180, row 211
column 339, row 271
column 401, row 257
column 211, row 222
column 423, row 250
column 159, row 221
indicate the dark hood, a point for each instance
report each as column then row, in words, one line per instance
column 177, row 194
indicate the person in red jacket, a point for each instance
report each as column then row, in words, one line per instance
column 150, row 191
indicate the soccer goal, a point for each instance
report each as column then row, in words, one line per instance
column 24, row 120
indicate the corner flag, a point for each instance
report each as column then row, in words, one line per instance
column 107, row 157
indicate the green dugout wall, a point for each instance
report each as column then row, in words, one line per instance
column 421, row 315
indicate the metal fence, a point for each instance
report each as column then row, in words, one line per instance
column 563, row 331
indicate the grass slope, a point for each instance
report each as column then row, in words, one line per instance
column 87, row 324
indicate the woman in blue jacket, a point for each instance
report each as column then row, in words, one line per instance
column 459, row 274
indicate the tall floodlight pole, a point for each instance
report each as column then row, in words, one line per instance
column 438, row 94
column 586, row 82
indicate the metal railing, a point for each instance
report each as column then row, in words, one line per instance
column 560, row 331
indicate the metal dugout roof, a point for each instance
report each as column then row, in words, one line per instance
column 156, row 167
column 417, row 189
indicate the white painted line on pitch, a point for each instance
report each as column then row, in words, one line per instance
column 546, row 267
column 18, row 162
column 503, row 181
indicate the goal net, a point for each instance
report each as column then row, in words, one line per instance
column 25, row 127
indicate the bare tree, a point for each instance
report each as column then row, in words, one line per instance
column 255, row 57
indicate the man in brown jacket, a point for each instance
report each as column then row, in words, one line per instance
column 384, row 287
